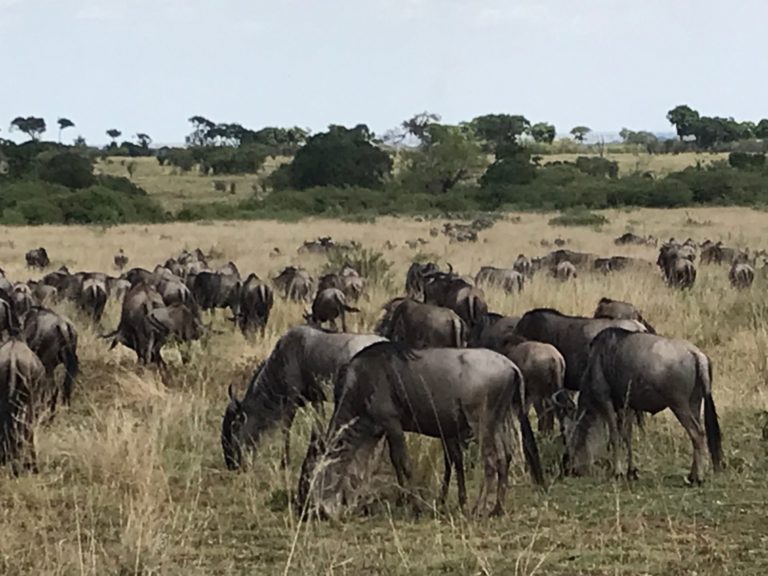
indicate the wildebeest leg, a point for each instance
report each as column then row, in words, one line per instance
column 692, row 425
column 343, row 321
column 448, row 466
column 458, row 462
column 609, row 413
column 544, row 415
column 398, row 453
column 628, row 418
column 288, row 415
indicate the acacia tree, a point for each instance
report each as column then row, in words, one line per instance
column 144, row 140
column 497, row 130
column 579, row 133
column 64, row 123
column 543, row 132
column 114, row 134
column 32, row 126
column 684, row 119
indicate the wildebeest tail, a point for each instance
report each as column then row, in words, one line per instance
column 711, row 424
column 458, row 331
column 530, row 448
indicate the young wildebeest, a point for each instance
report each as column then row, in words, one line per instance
column 329, row 305
column 543, row 369
column 445, row 393
column 618, row 310
column 741, row 275
column 54, row 339
column 291, row 377
column 21, row 375
column 571, row 335
column 630, row 372
column 256, row 301
column 422, row 325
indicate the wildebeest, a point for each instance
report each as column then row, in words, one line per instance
column 493, row 331
column 523, row 265
column 422, row 325
column 741, row 275
column 328, row 305
column 350, row 283
column 54, row 339
column 456, row 293
column 256, row 301
column 93, row 298
column 571, row 335
column 216, row 290
column 716, row 253
column 295, row 283
column 619, row 310
column 631, row 238
column 21, row 300
column 414, row 279
column 177, row 321
column 580, row 260
column 134, row 330
column 120, row 260
column 37, row 258
column 543, row 369
column 444, row 393
column 291, row 377
column 630, row 372
column 564, row 271
column 21, row 375
column 8, row 322
column 507, row 280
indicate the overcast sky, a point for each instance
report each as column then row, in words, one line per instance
column 148, row 65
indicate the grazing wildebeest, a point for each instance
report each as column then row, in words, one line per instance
column 414, row 280
column 139, row 276
column 21, row 300
column 120, row 260
column 45, row 295
column 351, row 284
column 493, row 331
column 93, row 298
column 741, row 275
column 619, row 310
column 21, row 375
column 454, row 395
column 564, row 271
column 134, row 330
column 256, row 301
column 117, row 288
column 681, row 273
column 213, row 290
column 543, row 369
column 177, row 321
column 507, row 280
column 571, row 335
column 291, row 377
column 422, row 325
column 631, row 238
column 295, row 283
column 54, row 339
column 580, row 260
column 630, row 372
column 456, row 293
column 37, row 258
column 329, row 305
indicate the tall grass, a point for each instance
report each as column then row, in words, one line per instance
column 132, row 479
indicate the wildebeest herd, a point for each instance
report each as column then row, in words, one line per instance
column 439, row 362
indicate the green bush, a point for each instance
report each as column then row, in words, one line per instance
column 578, row 217
column 66, row 168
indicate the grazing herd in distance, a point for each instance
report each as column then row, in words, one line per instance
column 439, row 362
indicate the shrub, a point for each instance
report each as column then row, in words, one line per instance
column 578, row 217
column 369, row 263
column 68, row 169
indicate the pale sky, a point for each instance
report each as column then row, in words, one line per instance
column 148, row 65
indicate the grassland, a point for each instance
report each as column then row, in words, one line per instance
column 658, row 164
column 132, row 479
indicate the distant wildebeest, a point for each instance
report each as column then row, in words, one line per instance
column 292, row 376
column 454, row 395
column 422, row 325
column 120, row 260
column 348, row 281
column 54, row 339
column 134, row 331
column 716, row 253
column 414, row 280
column 507, row 280
column 255, row 305
column 37, row 258
column 571, row 335
column 93, row 298
column 741, row 275
column 295, row 283
column 523, row 265
column 329, row 305
column 618, row 310
column 21, row 376
column 631, row 238
column 319, row 246
column 676, row 262
column 564, row 271
column 630, row 372
column 580, row 260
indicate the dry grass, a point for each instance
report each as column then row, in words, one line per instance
column 659, row 164
column 132, row 479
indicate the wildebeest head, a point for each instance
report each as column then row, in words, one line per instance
column 566, row 413
column 234, row 418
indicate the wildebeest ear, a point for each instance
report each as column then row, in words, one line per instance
column 561, row 399
column 233, row 399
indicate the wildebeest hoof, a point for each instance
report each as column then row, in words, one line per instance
column 497, row 511
column 633, row 474
column 690, row 480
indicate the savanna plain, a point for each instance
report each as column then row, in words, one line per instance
column 132, row 478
